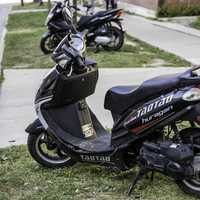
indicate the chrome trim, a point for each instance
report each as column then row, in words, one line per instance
column 39, row 113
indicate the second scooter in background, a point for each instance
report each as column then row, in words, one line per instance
column 102, row 29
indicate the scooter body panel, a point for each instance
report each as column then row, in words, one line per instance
column 139, row 119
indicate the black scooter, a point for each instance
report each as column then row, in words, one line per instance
column 146, row 118
column 99, row 28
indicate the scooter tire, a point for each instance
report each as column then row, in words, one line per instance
column 43, row 45
column 120, row 34
column 192, row 186
column 34, row 151
column 189, row 188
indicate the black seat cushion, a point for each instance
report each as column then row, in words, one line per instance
column 83, row 20
column 119, row 99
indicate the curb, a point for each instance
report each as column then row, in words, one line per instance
column 28, row 11
column 167, row 19
column 2, row 43
column 178, row 28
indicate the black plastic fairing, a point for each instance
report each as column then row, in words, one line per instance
column 74, row 88
column 67, row 89
column 35, row 127
column 154, row 114
column 65, row 125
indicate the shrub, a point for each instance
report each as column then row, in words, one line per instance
column 173, row 11
column 196, row 24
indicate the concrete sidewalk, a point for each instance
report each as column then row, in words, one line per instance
column 166, row 37
column 28, row 11
column 18, row 90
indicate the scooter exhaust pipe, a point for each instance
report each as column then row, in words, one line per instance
column 102, row 40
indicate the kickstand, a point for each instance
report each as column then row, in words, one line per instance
column 97, row 48
column 140, row 174
column 152, row 175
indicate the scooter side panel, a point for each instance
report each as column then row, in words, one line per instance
column 155, row 111
column 147, row 115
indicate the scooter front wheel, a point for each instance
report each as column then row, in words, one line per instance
column 48, row 44
column 45, row 151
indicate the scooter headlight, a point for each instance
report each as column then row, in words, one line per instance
column 192, row 95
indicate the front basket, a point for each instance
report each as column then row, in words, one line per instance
column 75, row 88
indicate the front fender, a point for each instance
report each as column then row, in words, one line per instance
column 46, row 34
column 35, row 127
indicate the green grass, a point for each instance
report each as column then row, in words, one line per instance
column 26, row 21
column 22, row 41
column 21, row 178
column 196, row 24
column 1, row 78
column 25, row 31
column 30, row 6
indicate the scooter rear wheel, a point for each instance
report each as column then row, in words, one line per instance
column 192, row 186
column 46, row 153
column 117, row 39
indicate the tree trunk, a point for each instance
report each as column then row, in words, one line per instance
column 22, row 2
column 49, row 4
column 38, row 1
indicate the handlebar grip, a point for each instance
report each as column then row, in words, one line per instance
column 80, row 65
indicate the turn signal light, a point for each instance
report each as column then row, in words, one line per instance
column 192, row 95
column 119, row 13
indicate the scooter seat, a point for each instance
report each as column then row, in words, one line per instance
column 119, row 99
column 83, row 20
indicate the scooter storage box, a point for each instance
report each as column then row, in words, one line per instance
column 74, row 88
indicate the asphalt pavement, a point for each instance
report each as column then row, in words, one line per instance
column 183, row 42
